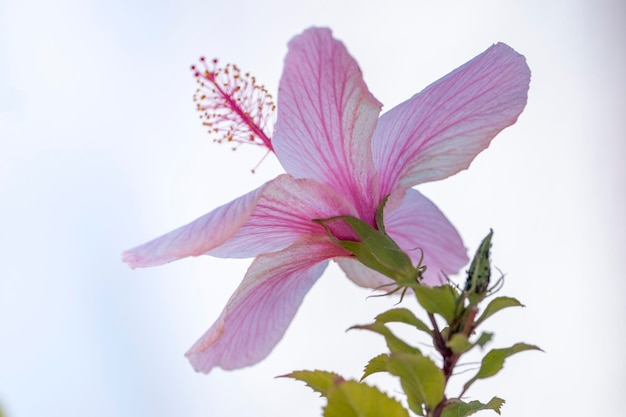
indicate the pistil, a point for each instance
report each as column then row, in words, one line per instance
column 232, row 105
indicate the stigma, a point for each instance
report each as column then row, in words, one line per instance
column 232, row 105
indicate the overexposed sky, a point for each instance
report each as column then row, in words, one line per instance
column 101, row 149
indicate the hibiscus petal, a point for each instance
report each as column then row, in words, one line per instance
column 418, row 224
column 415, row 223
column 282, row 215
column 197, row 237
column 439, row 131
column 364, row 276
column 326, row 117
column 259, row 312
column 266, row 220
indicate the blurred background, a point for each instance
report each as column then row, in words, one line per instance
column 101, row 150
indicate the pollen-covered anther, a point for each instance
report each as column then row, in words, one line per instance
column 232, row 105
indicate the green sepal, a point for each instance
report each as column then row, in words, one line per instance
column 394, row 343
column 493, row 361
column 356, row 399
column 318, row 381
column 380, row 211
column 459, row 343
column 375, row 365
column 376, row 249
column 463, row 409
column 496, row 305
column 403, row 315
column 422, row 381
column 437, row 300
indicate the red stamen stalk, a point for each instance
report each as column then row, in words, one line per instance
column 232, row 105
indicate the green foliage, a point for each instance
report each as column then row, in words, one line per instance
column 484, row 338
column 375, row 365
column 349, row 398
column 493, row 361
column 459, row 343
column 438, row 300
column 376, row 249
column 496, row 305
column 463, row 409
column 423, row 380
column 356, row 399
column 394, row 343
column 319, row 381
column 403, row 315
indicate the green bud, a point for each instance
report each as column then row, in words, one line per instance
column 479, row 271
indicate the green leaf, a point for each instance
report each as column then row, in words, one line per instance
column 459, row 343
column 376, row 364
column 437, row 300
column 484, row 338
column 394, row 343
column 493, row 361
column 496, row 305
column 403, row 315
column 356, row 399
column 422, row 381
column 319, row 381
column 463, row 409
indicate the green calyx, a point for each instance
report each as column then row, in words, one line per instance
column 376, row 249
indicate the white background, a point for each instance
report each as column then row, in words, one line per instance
column 101, row 149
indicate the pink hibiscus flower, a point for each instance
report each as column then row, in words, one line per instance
column 341, row 158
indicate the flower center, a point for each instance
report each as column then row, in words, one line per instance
column 232, row 105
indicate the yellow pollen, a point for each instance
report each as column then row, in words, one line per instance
column 232, row 105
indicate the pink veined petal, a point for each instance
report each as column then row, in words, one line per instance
column 259, row 312
column 364, row 276
column 283, row 214
column 197, row 237
column 439, row 131
column 415, row 223
column 326, row 117
column 418, row 224
column 266, row 220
